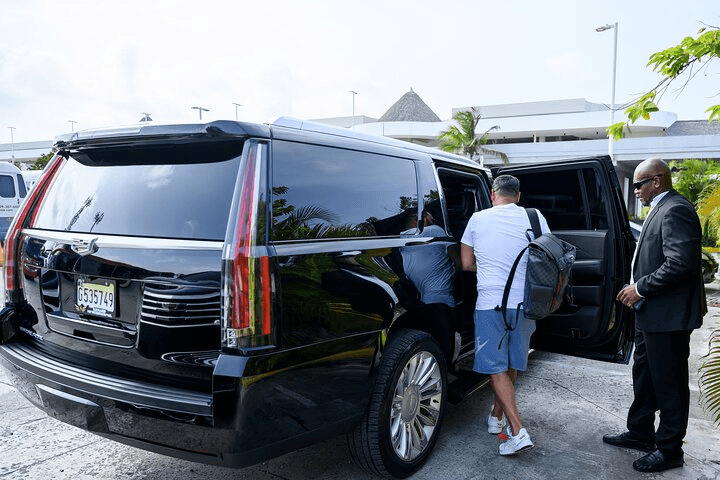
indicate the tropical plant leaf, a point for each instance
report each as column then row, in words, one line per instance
column 714, row 112
column 463, row 139
column 617, row 130
column 709, row 379
column 687, row 56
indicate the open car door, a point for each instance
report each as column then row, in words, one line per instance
column 582, row 202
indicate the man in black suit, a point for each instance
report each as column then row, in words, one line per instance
column 668, row 294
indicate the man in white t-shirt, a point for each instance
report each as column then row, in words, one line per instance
column 492, row 241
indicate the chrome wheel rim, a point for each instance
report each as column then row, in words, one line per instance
column 416, row 406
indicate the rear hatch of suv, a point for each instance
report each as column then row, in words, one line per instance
column 121, row 257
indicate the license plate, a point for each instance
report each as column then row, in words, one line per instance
column 96, row 297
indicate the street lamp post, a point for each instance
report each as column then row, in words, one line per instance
column 614, row 26
column 12, row 144
column 353, row 104
column 72, row 125
column 236, row 110
column 200, row 110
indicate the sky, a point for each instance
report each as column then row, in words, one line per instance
column 75, row 65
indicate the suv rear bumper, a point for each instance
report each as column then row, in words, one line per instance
column 227, row 427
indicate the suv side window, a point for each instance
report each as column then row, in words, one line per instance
column 464, row 195
column 568, row 202
column 326, row 192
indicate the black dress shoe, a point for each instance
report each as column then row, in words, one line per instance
column 626, row 440
column 657, row 462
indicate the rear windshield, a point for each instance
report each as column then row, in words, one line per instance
column 151, row 199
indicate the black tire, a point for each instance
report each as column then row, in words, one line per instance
column 407, row 405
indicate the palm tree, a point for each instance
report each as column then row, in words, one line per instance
column 461, row 138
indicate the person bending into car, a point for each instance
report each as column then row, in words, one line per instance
column 667, row 277
column 492, row 241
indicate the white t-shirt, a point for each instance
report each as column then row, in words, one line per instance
column 497, row 235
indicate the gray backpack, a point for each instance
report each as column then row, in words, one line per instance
column 549, row 265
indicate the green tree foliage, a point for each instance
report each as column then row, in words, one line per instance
column 42, row 161
column 708, row 209
column 697, row 180
column 684, row 59
column 694, row 178
column 463, row 139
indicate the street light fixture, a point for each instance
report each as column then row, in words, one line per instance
column 603, row 28
column 236, row 110
column 12, row 144
column 72, row 125
column 353, row 103
column 200, row 110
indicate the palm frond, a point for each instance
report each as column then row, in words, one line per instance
column 296, row 224
column 461, row 138
column 451, row 140
column 709, row 381
column 503, row 156
column 312, row 212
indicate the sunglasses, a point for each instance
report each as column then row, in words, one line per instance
column 638, row 185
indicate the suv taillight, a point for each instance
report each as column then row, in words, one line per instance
column 246, row 315
column 25, row 216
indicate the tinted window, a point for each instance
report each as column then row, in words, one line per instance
column 21, row 185
column 432, row 211
column 321, row 192
column 596, row 201
column 7, row 186
column 569, row 200
column 186, row 200
column 464, row 195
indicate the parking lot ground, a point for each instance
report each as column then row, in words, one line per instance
column 567, row 405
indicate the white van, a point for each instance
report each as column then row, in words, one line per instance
column 12, row 193
column 30, row 177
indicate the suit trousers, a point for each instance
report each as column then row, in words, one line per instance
column 660, row 382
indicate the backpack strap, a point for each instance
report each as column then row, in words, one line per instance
column 534, row 221
column 508, row 284
column 535, row 224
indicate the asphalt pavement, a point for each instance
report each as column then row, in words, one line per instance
column 567, row 404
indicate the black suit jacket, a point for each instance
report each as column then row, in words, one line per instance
column 667, row 267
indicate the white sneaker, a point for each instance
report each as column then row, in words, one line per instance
column 496, row 426
column 517, row 443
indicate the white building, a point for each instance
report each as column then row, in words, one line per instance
column 552, row 130
column 24, row 154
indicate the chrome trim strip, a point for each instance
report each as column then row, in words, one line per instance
column 125, row 241
column 182, row 297
column 128, row 334
column 172, row 327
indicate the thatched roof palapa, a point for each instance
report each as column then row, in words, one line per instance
column 410, row 108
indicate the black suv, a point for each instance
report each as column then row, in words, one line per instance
column 228, row 292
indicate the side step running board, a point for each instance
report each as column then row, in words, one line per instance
column 465, row 384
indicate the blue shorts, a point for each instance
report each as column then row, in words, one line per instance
column 498, row 349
